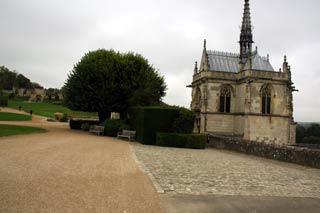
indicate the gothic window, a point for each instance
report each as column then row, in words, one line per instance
column 225, row 99
column 266, row 100
column 197, row 99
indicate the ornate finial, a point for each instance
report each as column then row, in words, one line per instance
column 285, row 65
column 268, row 57
column 196, row 67
column 256, row 48
column 205, row 44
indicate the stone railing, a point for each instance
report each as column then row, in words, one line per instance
column 240, row 75
column 291, row 154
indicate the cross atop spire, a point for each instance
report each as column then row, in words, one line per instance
column 246, row 38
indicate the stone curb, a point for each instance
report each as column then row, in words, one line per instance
column 146, row 171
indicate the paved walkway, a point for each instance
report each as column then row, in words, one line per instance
column 215, row 172
column 71, row 171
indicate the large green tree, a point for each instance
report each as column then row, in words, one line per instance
column 10, row 79
column 106, row 81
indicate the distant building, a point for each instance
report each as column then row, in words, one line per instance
column 35, row 94
column 241, row 95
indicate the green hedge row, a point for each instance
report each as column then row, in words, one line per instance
column 195, row 141
column 147, row 121
column 111, row 127
column 77, row 123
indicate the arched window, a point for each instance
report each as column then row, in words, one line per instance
column 266, row 100
column 225, row 99
column 197, row 99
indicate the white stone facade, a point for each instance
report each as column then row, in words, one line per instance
column 242, row 96
column 245, row 118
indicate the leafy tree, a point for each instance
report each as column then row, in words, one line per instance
column 106, row 81
column 7, row 78
column 314, row 130
column 36, row 85
column 300, row 133
column 52, row 94
column 23, row 82
column 10, row 79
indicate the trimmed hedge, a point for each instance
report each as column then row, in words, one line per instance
column 291, row 154
column 184, row 123
column 3, row 101
column 111, row 127
column 194, row 141
column 77, row 123
column 149, row 120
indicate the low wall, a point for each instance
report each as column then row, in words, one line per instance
column 291, row 154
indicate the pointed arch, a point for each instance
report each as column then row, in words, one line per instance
column 225, row 98
column 197, row 99
column 266, row 94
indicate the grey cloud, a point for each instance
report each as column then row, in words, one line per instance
column 43, row 39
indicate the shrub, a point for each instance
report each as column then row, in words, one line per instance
column 12, row 95
column 64, row 118
column 76, row 123
column 184, row 122
column 311, row 140
column 85, row 126
column 149, row 120
column 58, row 116
column 3, row 101
column 195, row 141
column 111, row 127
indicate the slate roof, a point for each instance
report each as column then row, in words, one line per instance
column 229, row 62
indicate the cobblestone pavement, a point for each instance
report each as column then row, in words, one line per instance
column 210, row 171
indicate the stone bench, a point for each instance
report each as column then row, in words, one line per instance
column 127, row 134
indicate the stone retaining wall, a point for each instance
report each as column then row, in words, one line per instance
column 291, row 154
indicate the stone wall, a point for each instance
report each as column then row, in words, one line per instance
column 291, row 154
column 268, row 129
column 220, row 123
column 245, row 119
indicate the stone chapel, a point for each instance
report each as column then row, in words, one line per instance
column 241, row 95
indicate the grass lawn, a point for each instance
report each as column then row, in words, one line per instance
column 7, row 116
column 46, row 109
column 6, row 130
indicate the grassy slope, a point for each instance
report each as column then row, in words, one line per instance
column 6, row 130
column 46, row 109
column 7, row 116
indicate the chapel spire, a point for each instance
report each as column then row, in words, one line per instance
column 246, row 39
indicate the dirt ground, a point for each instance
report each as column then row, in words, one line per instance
column 65, row 170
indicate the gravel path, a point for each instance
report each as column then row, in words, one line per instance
column 215, row 172
column 71, row 171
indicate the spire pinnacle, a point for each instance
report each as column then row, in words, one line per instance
column 246, row 37
column 205, row 44
column 285, row 65
column 196, row 67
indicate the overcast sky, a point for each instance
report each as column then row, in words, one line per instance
column 43, row 39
